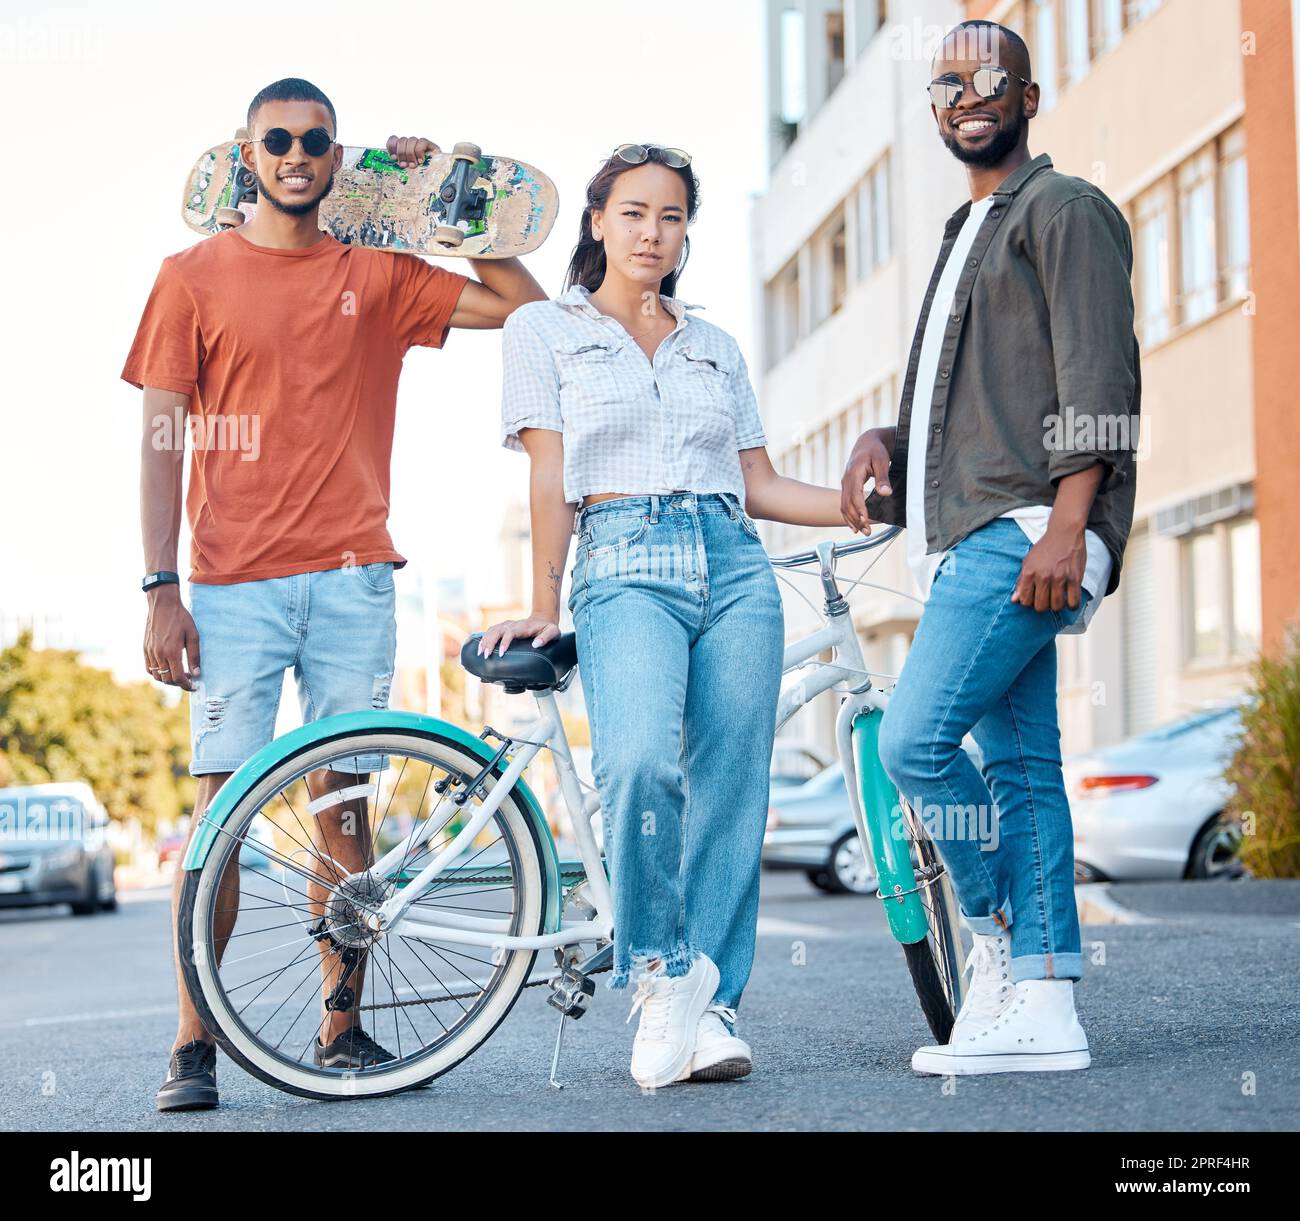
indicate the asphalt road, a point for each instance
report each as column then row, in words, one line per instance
column 1192, row 1020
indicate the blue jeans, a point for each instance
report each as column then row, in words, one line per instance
column 335, row 629
column 680, row 638
column 984, row 665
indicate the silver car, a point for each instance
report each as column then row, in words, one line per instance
column 810, row 827
column 54, row 848
column 1153, row 806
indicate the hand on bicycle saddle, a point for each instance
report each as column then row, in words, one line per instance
column 540, row 628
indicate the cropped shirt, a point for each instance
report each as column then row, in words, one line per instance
column 674, row 424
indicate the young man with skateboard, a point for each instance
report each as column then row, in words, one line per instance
column 286, row 346
column 1016, row 530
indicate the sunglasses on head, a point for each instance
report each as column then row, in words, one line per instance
column 638, row 154
column 315, row 143
column 989, row 81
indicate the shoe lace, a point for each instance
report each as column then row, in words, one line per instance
column 985, row 998
column 191, row 1058
column 727, row 1015
column 654, row 1002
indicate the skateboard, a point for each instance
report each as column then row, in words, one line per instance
column 459, row 203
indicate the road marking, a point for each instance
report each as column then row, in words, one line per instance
column 774, row 926
column 107, row 1015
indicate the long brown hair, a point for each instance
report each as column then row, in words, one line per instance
column 587, row 263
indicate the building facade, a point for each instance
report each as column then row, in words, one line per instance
column 1147, row 99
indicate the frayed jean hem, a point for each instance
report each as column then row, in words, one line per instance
column 677, row 961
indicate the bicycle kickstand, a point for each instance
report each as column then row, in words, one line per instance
column 571, row 993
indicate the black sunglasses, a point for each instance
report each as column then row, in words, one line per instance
column 315, row 143
column 989, row 81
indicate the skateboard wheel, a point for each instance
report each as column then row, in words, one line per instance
column 448, row 236
column 467, row 152
column 229, row 218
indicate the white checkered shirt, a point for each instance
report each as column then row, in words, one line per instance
column 629, row 426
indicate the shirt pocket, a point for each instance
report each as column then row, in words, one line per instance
column 704, row 415
column 589, row 376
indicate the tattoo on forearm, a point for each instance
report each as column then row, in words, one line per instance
column 554, row 577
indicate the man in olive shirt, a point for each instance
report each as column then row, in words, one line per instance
column 1012, row 467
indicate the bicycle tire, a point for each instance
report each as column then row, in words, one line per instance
column 199, row 970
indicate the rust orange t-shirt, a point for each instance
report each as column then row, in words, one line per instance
column 291, row 360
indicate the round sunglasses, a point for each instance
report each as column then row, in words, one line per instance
column 315, row 143
column 638, row 154
column 989, row 81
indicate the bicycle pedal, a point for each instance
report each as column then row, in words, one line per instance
column 571, row 993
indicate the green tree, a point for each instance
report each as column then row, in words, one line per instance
column 63, row 720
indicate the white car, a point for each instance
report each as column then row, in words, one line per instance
column 1153, row 806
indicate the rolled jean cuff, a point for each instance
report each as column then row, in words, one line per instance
column 677, row 961
column 992, row 925
column 1047, row 966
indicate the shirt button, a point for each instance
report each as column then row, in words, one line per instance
column 974, row 263
column 994, row 214
column 938, row 428
column 934, row 483
column 956, row 317
column 943, row 372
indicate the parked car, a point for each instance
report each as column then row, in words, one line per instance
column 54, row 848
column 1153, row 806
column 810, row 827
column 794, row 764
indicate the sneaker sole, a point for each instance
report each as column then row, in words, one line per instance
column 723, row 1070
column 191, row 1098
column 1006, row 1062
column 680, row 1069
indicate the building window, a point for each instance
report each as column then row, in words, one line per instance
column 1107, row 25
column 1153, row 295
column 839, row 259
column 1210, row 262
column 1077, row 49
column 1221, row 592
column 1045, row 51
column 834, row 49
column 1234, row 227
column 784, row 309
column 1243, row 565
column 868, row 17
column 1198, row 272
column 874, row 238
column 794, row 91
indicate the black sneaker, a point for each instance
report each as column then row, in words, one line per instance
column 352, row 1049
column 191, row 1083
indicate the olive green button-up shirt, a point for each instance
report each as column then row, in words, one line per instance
column 1038, row 374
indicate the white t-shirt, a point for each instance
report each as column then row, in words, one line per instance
column 1032, row 519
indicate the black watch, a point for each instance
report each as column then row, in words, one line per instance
column 154, row 579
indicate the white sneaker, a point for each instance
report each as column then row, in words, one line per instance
column 1037, row 1032
column 991, row 989
column 671, row 1007
column 719, row 1054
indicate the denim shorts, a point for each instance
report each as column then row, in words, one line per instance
column 335, row 629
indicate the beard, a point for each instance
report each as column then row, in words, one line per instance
column 998, row 147
column 293, row 209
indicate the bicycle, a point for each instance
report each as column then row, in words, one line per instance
column 471, row 884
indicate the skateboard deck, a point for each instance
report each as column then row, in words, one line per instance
column 461, row 203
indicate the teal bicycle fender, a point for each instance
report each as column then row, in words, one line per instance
column 274, row 753
column 893, row 860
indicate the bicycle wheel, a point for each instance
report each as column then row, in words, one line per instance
column 935, row 963
column 279, row 952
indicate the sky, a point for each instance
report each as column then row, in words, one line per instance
column 103, row 109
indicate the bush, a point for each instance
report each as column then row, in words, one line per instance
column 1265, row 771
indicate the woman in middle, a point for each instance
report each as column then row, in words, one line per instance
column 639, row 416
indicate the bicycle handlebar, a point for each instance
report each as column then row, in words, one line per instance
column 797, row 559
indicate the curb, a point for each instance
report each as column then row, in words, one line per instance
column 1096, row 906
